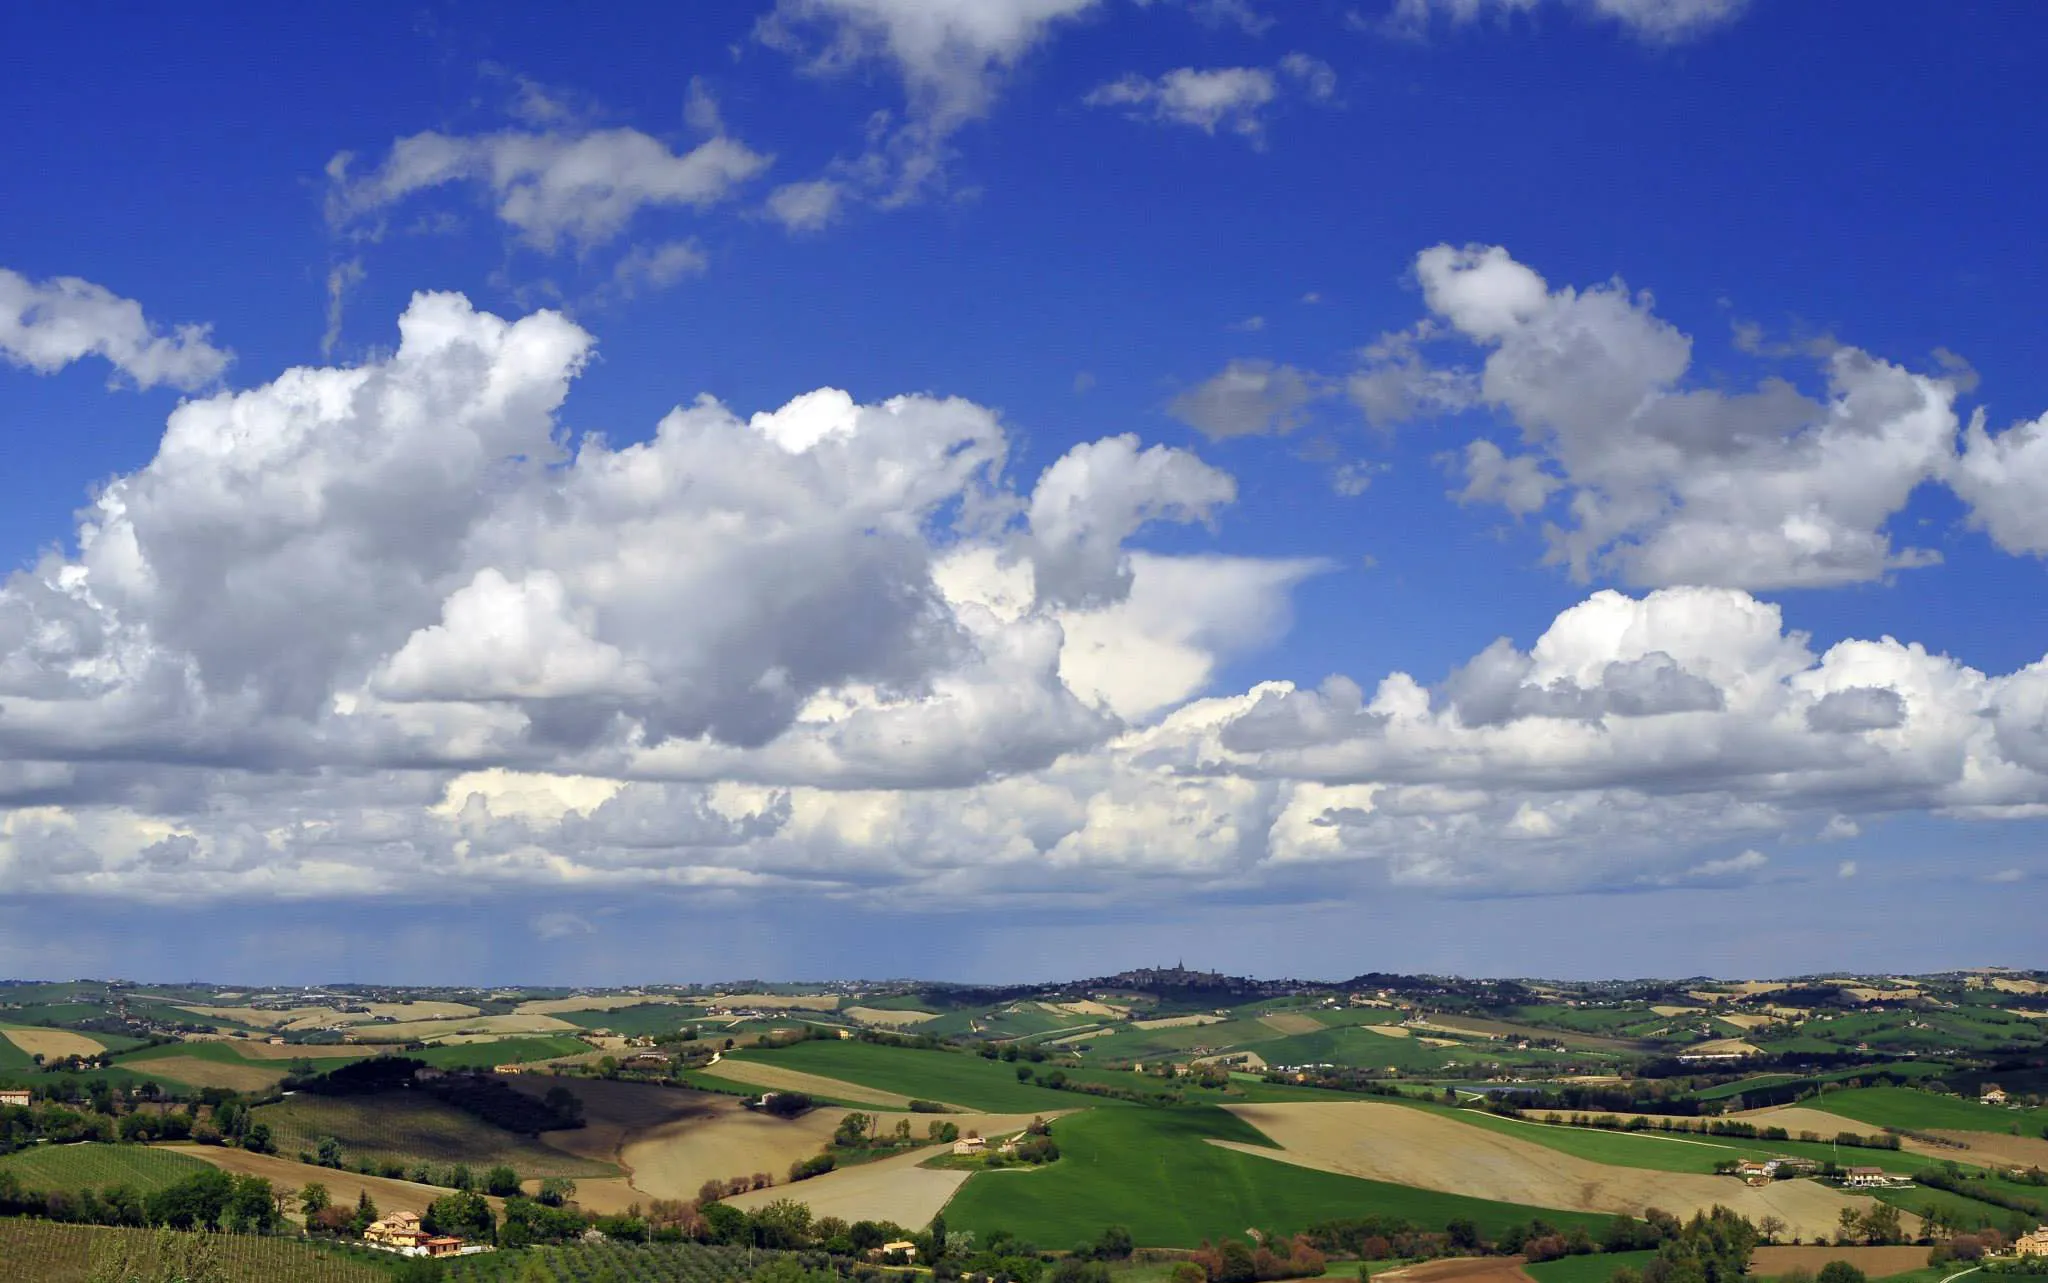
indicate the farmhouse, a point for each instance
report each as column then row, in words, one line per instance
column 2035, row 1244
column 1993, row 1095
column 397, row 1232
column 904, row 1246
column 14, row 1096
column 1866, row 1177
column 1755, row 1173
column 970, row 1145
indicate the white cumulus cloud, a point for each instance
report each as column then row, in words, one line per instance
column 47, row 325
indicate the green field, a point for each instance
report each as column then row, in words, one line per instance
column 1655, row 1151
column 621, row 1263
column 14, row 1060
column 94, row 1166
column 1115, row 1163
column 52, row 1253
column 1924, row 1111
column 1967, row 1212
column 957, row 1078
column 1597, row 1268
column 641, row 1020
column 504, row 1051
column 408, row 1128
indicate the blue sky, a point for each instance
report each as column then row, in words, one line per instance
column 1309, row 487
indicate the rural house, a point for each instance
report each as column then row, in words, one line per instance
column 1865, row 1177
column 1993, row 1095
column 2035, row 1244
column 15, row 1096
column 907, row 1248
column 1755, row 1173
column 970, row 1145
column 398, row 1232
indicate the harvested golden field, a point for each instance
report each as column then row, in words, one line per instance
column 890, row 1019
column 1875, row 1262
column 893, row 1189
column 344, row 1187
column 430, row 1030
column 674, row 1159
column 1797, row 1119
column 1291, row 1022
column 53, row 1044
column 1411, row 1147
column 1090, row 1007
column 780, row 1001
column 1746, row 1020
column 2007, row 985
column 195, row 1072
column 253, row 1016
column 1721, row 1047
column 1676, row 1011
column 775, row 1078
column 1176, row 1022
column 1388, row 1031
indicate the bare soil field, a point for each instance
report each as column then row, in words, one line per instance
column 54, row 1044
column 1746, row 1020
column 1722, row 1047
column 776, row 1078
column 343, row 1187
column 1390, row 1031
column 1291, row 1022
column 194, row 1072
column 1410, row 1147
column 890, row 1019
column 780, row 1001
column 1797, row 1119
column 674, row 1159
column 606, row 1002
column 254, row 1050
column 1875, row 1262
column 1090, row 1007
column 1176, row 1022
column 894, row 1189
column 1463, row 1269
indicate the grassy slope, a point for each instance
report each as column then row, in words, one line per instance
column 74, row 1167
column 955, row 1077
column 408, row 1128
column 504, row 1051
column 1115, row 1165
column 1597, row 1268
column 1924, row 1111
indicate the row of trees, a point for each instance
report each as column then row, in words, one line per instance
column 212, row 1200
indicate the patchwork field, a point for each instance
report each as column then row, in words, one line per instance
column 1291, row 1022
column 1428, row 1150
column 409, row 1128
column 52, row 1044
column 495, row 1026
column 605, row 1002
column 1875, row 1262
column 1923, row 1110
column 1177, row 1022
column 956, row 1078
column 75, row 1167
column 1115, row 1162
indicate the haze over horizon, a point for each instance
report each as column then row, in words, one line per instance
column 1014, row 490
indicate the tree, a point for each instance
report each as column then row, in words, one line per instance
column 1114, row 1243
column 329, row 1151
column 313, row 1197
column 501, row 1181
column 556, row 1190
column 1770, row 1227
column 1839, row 1272
column 463, row 1214
column 459, row 1177
column 252, row 1208
column 257, row 1139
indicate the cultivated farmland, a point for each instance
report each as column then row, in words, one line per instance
column 52, row 1253
column 1426, row 1149
column 92, row 1166
column 968, row 1081
column 410, row 1128
column 52, row 1044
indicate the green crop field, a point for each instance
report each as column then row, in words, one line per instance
column 407, row 1128
column 14, row 1059
column 94, row 1166
column 642, row 1020
column 1114, row 1163
column 1597, row 1268
column 1656, row 1151
column 958, row 1078
column 504, row 1051
column 1924, row 1111
column 1966, row 1212
column 52, row 1253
